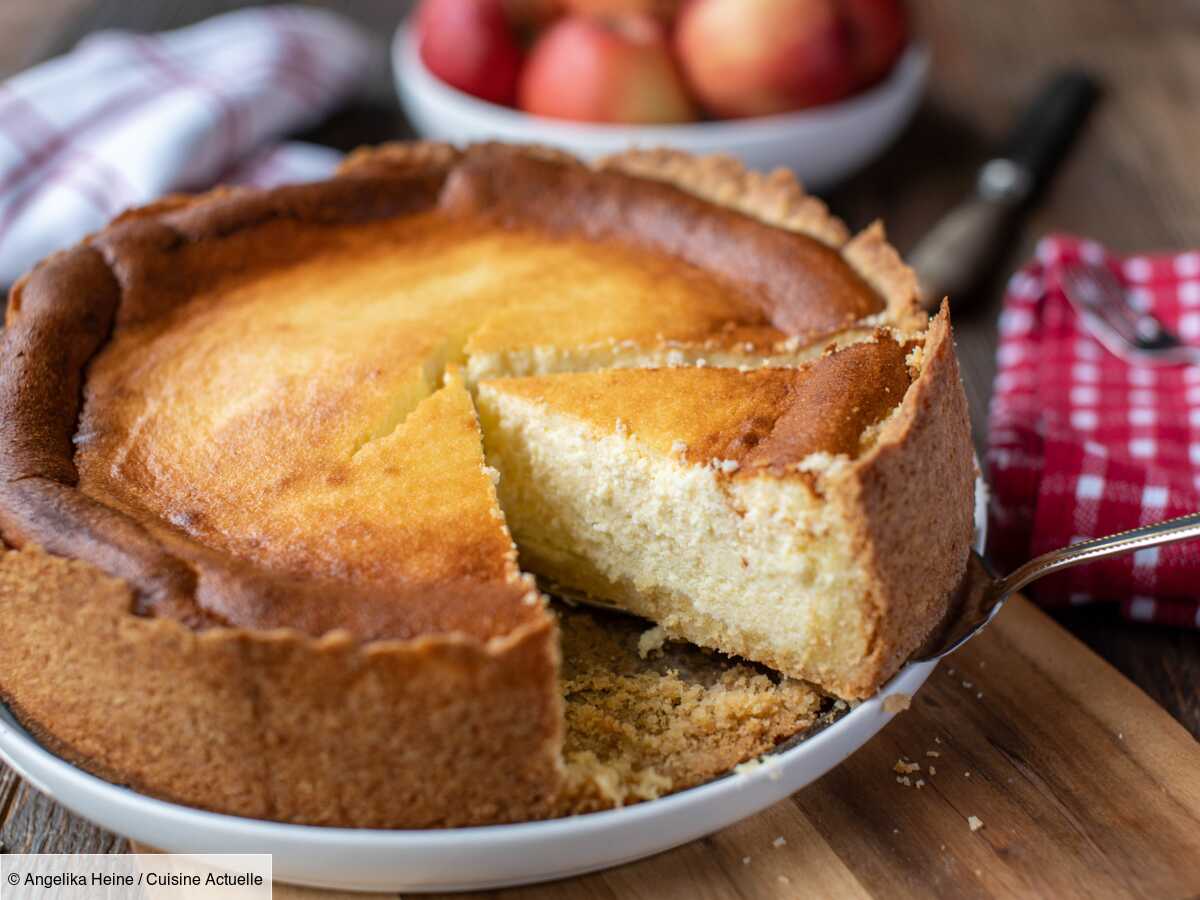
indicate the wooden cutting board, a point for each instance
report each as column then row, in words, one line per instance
column 1083, row 785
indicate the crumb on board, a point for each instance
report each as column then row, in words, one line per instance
column 932, row 753
column 895, row 703
column 779, row 841
column 974, row 822
column 904, row 767
column 783, row 879
column 904, row 780
column 937, row 740
column 745, row 860
column 920, row 783
column 932, row 770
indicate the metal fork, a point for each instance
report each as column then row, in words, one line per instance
column 982, row 595
column 1108, row 312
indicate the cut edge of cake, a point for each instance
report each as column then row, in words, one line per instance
column 808, row 569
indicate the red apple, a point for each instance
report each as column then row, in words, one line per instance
column 878, row 32
column 469, row 44
column 604, row 70
column 759, row 57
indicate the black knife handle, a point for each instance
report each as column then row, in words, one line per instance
column 1048, row 126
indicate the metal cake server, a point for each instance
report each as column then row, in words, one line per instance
column 982, row 595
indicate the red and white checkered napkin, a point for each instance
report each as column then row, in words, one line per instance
column 1084, row 444
column 125, row 118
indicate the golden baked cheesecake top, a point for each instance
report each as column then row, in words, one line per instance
column 771, row 418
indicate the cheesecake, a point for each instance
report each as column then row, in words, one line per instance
column 757, row 513
column 279, row 470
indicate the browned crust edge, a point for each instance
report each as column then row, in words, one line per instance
column 779, row 199
column 269, row 725
column 916, row 482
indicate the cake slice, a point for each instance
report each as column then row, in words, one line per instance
column 770, row 514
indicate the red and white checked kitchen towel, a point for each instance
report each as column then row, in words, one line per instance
column 1083, row 444
column 125, row 118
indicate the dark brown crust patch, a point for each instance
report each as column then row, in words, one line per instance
column 803, row 287
column 832, row 402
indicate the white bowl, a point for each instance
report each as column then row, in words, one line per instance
column 465, row 858
column 822, row 145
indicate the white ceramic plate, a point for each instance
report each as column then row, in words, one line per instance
column 463, row 858
column 822, row 145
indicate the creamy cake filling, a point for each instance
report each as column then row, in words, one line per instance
column 735, row 554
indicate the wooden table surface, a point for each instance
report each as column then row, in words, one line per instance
column 1131, row 184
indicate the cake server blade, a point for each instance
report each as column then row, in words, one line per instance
column 982, row 595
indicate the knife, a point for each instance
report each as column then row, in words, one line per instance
column 965, row 244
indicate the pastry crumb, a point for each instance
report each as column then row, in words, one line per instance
column 904, row 767
column 745, row 860
column 932, row 770
column 920, row 783
column 748, row 766
column 974, row 822
column 895, row 703
column 779, row 841
column 932, row 753
column 783, row 879
column 637, row 728
column 652, row 639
